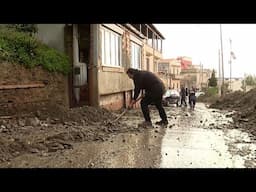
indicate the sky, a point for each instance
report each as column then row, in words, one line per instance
column 201, row 42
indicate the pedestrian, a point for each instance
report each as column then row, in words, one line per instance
column 192, row 97
column 154, row 90
column 183, row 96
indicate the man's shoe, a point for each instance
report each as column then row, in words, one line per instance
column 145, row 124
column 162, row 122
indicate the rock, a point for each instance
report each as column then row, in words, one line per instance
column 38, row 114
column 123, row 140
column 156, row 131
column 44, row 154
column 21, row 122
column 243, row 120
column 3, row 127
column 32, row 122
column 8, row 126
column 166, row 154
column 45, row 125
column 243, row 116
column 201, row 121
column 228, row 115
column 4, row 130
column 34, row 150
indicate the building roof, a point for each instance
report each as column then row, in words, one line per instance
column 156, row 30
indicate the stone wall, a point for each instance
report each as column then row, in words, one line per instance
column 24, row 90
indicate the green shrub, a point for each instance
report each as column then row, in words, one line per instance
column 20, row 47
column 211, row 91
column 27, row 28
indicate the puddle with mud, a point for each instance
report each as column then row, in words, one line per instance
column 200, row 141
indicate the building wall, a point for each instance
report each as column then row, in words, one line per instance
column 153, row 56
column 194, row 76
column 171, row 75
column 175, row 84
column 236, row 84
column 113, row 82
column 115, row 86
column 52, row 35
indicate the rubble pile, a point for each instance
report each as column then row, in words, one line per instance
column 244, row 105
column 47, row 131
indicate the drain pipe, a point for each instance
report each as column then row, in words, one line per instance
column 76, row 69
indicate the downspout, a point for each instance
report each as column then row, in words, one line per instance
column 76, row 62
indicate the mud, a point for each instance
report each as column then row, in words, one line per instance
column 56, row 130
column 243, row 109
column 84, row 138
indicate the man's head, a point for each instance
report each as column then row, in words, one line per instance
column 131, row 72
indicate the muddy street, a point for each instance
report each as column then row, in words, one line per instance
column 192, row 139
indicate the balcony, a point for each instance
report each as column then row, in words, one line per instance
column 175, row 76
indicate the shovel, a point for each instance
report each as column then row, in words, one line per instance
column 122, row 114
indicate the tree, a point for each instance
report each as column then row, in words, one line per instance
column 213, row 80
column 248, row 80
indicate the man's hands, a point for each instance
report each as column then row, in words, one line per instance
column 135, row 101
column 131, row 104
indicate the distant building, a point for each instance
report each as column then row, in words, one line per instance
column 195, row 75
column 169, row 71
column 236, row 84
column 185, row 62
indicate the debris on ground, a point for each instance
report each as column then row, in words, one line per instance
column 48, row 131
column 244, row 105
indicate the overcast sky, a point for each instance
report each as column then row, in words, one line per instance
column 201, row 42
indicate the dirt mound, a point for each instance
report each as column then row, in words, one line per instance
column 85, row 115
column 231, row 100
column 245, row 106
column 237, row 101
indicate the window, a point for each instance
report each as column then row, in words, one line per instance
column 135, row 56
column 163, row 67
column 110, row 48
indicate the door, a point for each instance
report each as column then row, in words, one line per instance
column 79, row 57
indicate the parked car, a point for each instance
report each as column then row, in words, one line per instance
column 199, row 93
column 171, row 96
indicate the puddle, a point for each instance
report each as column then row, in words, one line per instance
column 192, row 144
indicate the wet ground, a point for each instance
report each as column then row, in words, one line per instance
column 192, row 139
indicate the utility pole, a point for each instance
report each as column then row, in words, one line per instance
column 230, row 62
column 222, row 63
column 219, row 79
column 202, row 75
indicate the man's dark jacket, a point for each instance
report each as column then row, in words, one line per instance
column 149, row 82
